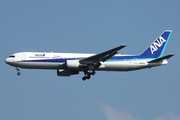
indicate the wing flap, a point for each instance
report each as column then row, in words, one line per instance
column 161, row 58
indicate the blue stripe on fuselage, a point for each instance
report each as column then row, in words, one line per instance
column 112, row 59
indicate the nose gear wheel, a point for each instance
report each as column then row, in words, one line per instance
column 18, row 71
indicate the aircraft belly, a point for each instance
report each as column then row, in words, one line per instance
column 38, row 65
column 123, row 66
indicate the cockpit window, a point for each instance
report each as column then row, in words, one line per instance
column 12, row 56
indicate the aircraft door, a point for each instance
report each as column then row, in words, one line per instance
column 23, row 57
column 135, row 61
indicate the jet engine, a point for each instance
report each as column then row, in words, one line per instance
column 65, row 72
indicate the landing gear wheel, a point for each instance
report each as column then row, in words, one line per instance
column 93, row 73
column 87, row 74
column 18, row 73
column 88, row 77
column 84, row 78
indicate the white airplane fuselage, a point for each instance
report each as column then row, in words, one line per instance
column 36, row 60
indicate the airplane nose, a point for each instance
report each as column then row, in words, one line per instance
column 7, row 60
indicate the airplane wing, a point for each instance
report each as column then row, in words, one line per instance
column 102, row 56
column 161, row 58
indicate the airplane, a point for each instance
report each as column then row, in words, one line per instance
column 67, row 64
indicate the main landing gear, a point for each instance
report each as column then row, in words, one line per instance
column 18, row 71
column 87, row 75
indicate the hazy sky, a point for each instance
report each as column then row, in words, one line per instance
column 89, row 27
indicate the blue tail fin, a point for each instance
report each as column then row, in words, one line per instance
column 156, row 49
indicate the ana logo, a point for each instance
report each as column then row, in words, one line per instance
column 156, row 44
column 40, row 55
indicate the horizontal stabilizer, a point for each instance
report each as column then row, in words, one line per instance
column 161, row 58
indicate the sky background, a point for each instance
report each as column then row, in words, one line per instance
column 88, row 26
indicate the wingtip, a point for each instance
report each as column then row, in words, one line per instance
column 172, row 54
column 123, row 45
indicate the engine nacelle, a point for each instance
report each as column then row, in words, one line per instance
column 72, row 64
column 64, row 72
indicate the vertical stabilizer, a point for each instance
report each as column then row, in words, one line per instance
column 156, row 49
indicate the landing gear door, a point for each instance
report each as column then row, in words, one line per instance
column 23, row 57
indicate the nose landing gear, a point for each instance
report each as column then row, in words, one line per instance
column 18, row 71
